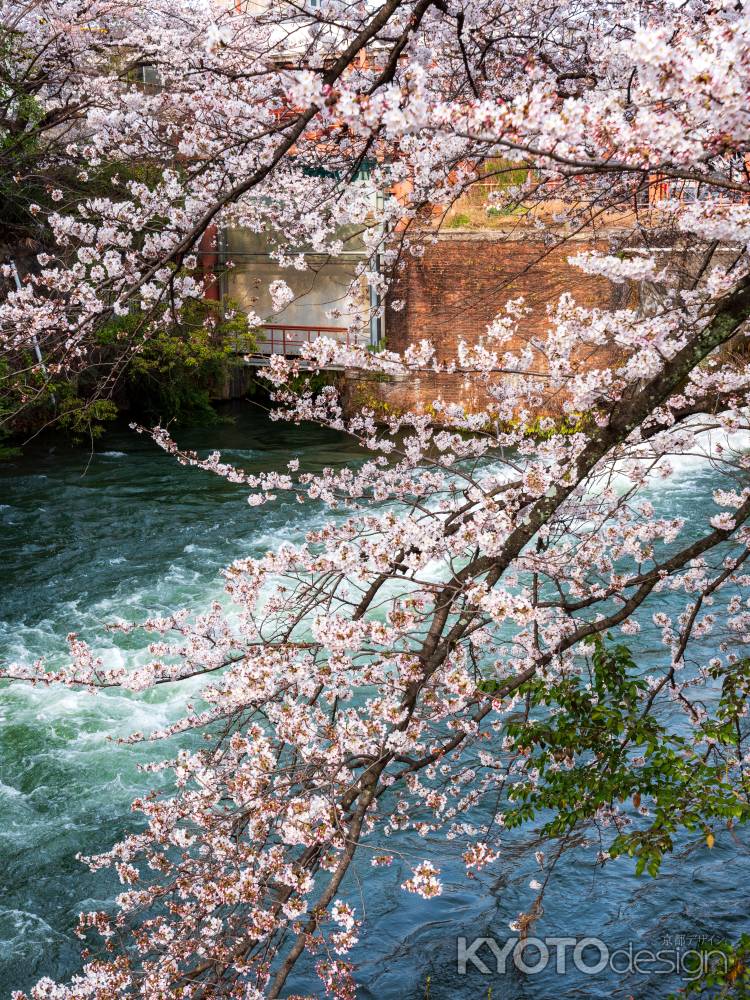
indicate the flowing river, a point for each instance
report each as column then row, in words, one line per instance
column 127, row 532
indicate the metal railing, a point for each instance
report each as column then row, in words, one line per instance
column 283, row 338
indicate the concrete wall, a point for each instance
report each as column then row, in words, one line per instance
column 321, row 289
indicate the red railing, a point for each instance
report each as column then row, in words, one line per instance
column 281, row 338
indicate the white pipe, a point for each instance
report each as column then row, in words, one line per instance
column 34, row 341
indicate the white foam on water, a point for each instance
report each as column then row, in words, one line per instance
column 9, row 792
column 107, row 713
column 686, row 469
column 113, row 454
column 241, row 452
column 737, row 442
column 192, row 548
column 25, row 921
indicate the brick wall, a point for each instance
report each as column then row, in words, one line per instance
column 458, row 287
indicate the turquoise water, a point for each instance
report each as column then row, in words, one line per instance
column 127, row 532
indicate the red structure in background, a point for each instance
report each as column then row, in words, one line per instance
column 208, row 257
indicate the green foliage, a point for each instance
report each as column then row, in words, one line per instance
column 596, row 745
column 502, row 211
column 735, row 691
column 503, row 173
column 20, row 147
column 458, row 221
column 179, row 365
column 365, row 399
column 543, row 428
column 6, row 451
column 84, row 419
column 32, row 157
column 719, row 969
column 303, row 383
column 28, row 398
column 540, row 428
column 100, row 180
